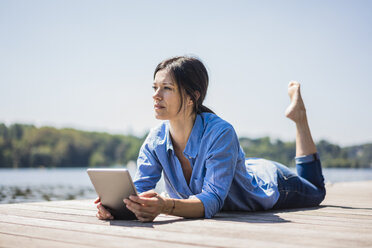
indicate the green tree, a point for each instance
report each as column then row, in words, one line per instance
column 29, row 146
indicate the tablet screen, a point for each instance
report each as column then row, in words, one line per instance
column 113, row 186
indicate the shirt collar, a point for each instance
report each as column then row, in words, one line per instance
column 193, row 144
column 169, row 144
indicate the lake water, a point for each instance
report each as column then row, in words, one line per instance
column 28, row 185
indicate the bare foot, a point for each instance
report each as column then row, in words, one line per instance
column 296, row 110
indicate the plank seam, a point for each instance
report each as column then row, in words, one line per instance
column 105, row 235
column 28, row 236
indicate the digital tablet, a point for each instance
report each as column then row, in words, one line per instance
column 113, row 186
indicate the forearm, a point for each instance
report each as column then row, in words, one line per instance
column 188, row 208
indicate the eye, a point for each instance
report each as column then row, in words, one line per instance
column 155, row 88
column 167, row 88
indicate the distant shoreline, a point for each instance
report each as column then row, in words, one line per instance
column 30, row 185
column 27, row 146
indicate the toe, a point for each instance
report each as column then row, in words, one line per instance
column 293, row 83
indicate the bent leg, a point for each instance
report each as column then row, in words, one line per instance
column 296, row 112
column 307, row 188
column 303, row 190
column 310, row 168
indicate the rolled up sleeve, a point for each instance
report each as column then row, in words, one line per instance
column 148, row 169
column 220, row 168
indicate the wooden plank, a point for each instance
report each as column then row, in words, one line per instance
column 346, row 215
column 208, row 238
column 52, row 209
column 262, row 217
column 252, row 233
column 26, row 212
column 176, row 225
column 77, row 237
column 128, row 233
column 20, row 240
column 70, row 204
column 344, row 221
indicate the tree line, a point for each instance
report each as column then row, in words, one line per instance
column 27, row 146
column 332, row 156
column 24, row 146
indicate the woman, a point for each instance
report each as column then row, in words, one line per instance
column 204, row 167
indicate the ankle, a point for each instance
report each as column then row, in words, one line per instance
column 301, row 118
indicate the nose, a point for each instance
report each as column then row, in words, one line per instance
column 156, row 95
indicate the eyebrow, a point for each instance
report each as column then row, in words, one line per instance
column 166, row 83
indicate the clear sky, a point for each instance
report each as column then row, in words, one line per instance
column 89, row 64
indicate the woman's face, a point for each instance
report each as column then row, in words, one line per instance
column 167, row 98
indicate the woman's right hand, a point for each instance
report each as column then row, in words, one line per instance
column 102, row 213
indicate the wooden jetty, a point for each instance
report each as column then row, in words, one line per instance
column 343, row 220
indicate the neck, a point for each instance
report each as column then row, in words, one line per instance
column 180, row 130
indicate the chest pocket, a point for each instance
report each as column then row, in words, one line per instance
column 197, row 178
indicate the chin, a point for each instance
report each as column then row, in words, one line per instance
column 160, row 117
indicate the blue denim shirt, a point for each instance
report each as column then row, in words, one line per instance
column 221, row 176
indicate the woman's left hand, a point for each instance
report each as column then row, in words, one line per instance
column 147, row 206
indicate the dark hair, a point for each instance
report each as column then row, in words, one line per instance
column 190, row 75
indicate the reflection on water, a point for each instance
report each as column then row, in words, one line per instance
column 30, row 185
column 15, row 194
column 334, row 175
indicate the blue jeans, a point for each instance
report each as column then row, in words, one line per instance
column 304, row 189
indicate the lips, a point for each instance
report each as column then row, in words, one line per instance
column 158, row 106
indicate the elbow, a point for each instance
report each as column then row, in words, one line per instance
column 212, row 204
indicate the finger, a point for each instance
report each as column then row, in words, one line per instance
column 143, row 200
column 144, row 215
column 137, row 207
column 150, row 193
column 104, row 212
column 138, row 210
column 143, row 204
column 97, row 200
column 102, row 216
column 99, row 206
column 144, row 218
column 102, row 209
column 140, row 218
column 132, row 206
column 143, row 212
column 99, row 216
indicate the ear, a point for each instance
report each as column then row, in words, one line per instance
column 190, row 102
column 197, row 94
